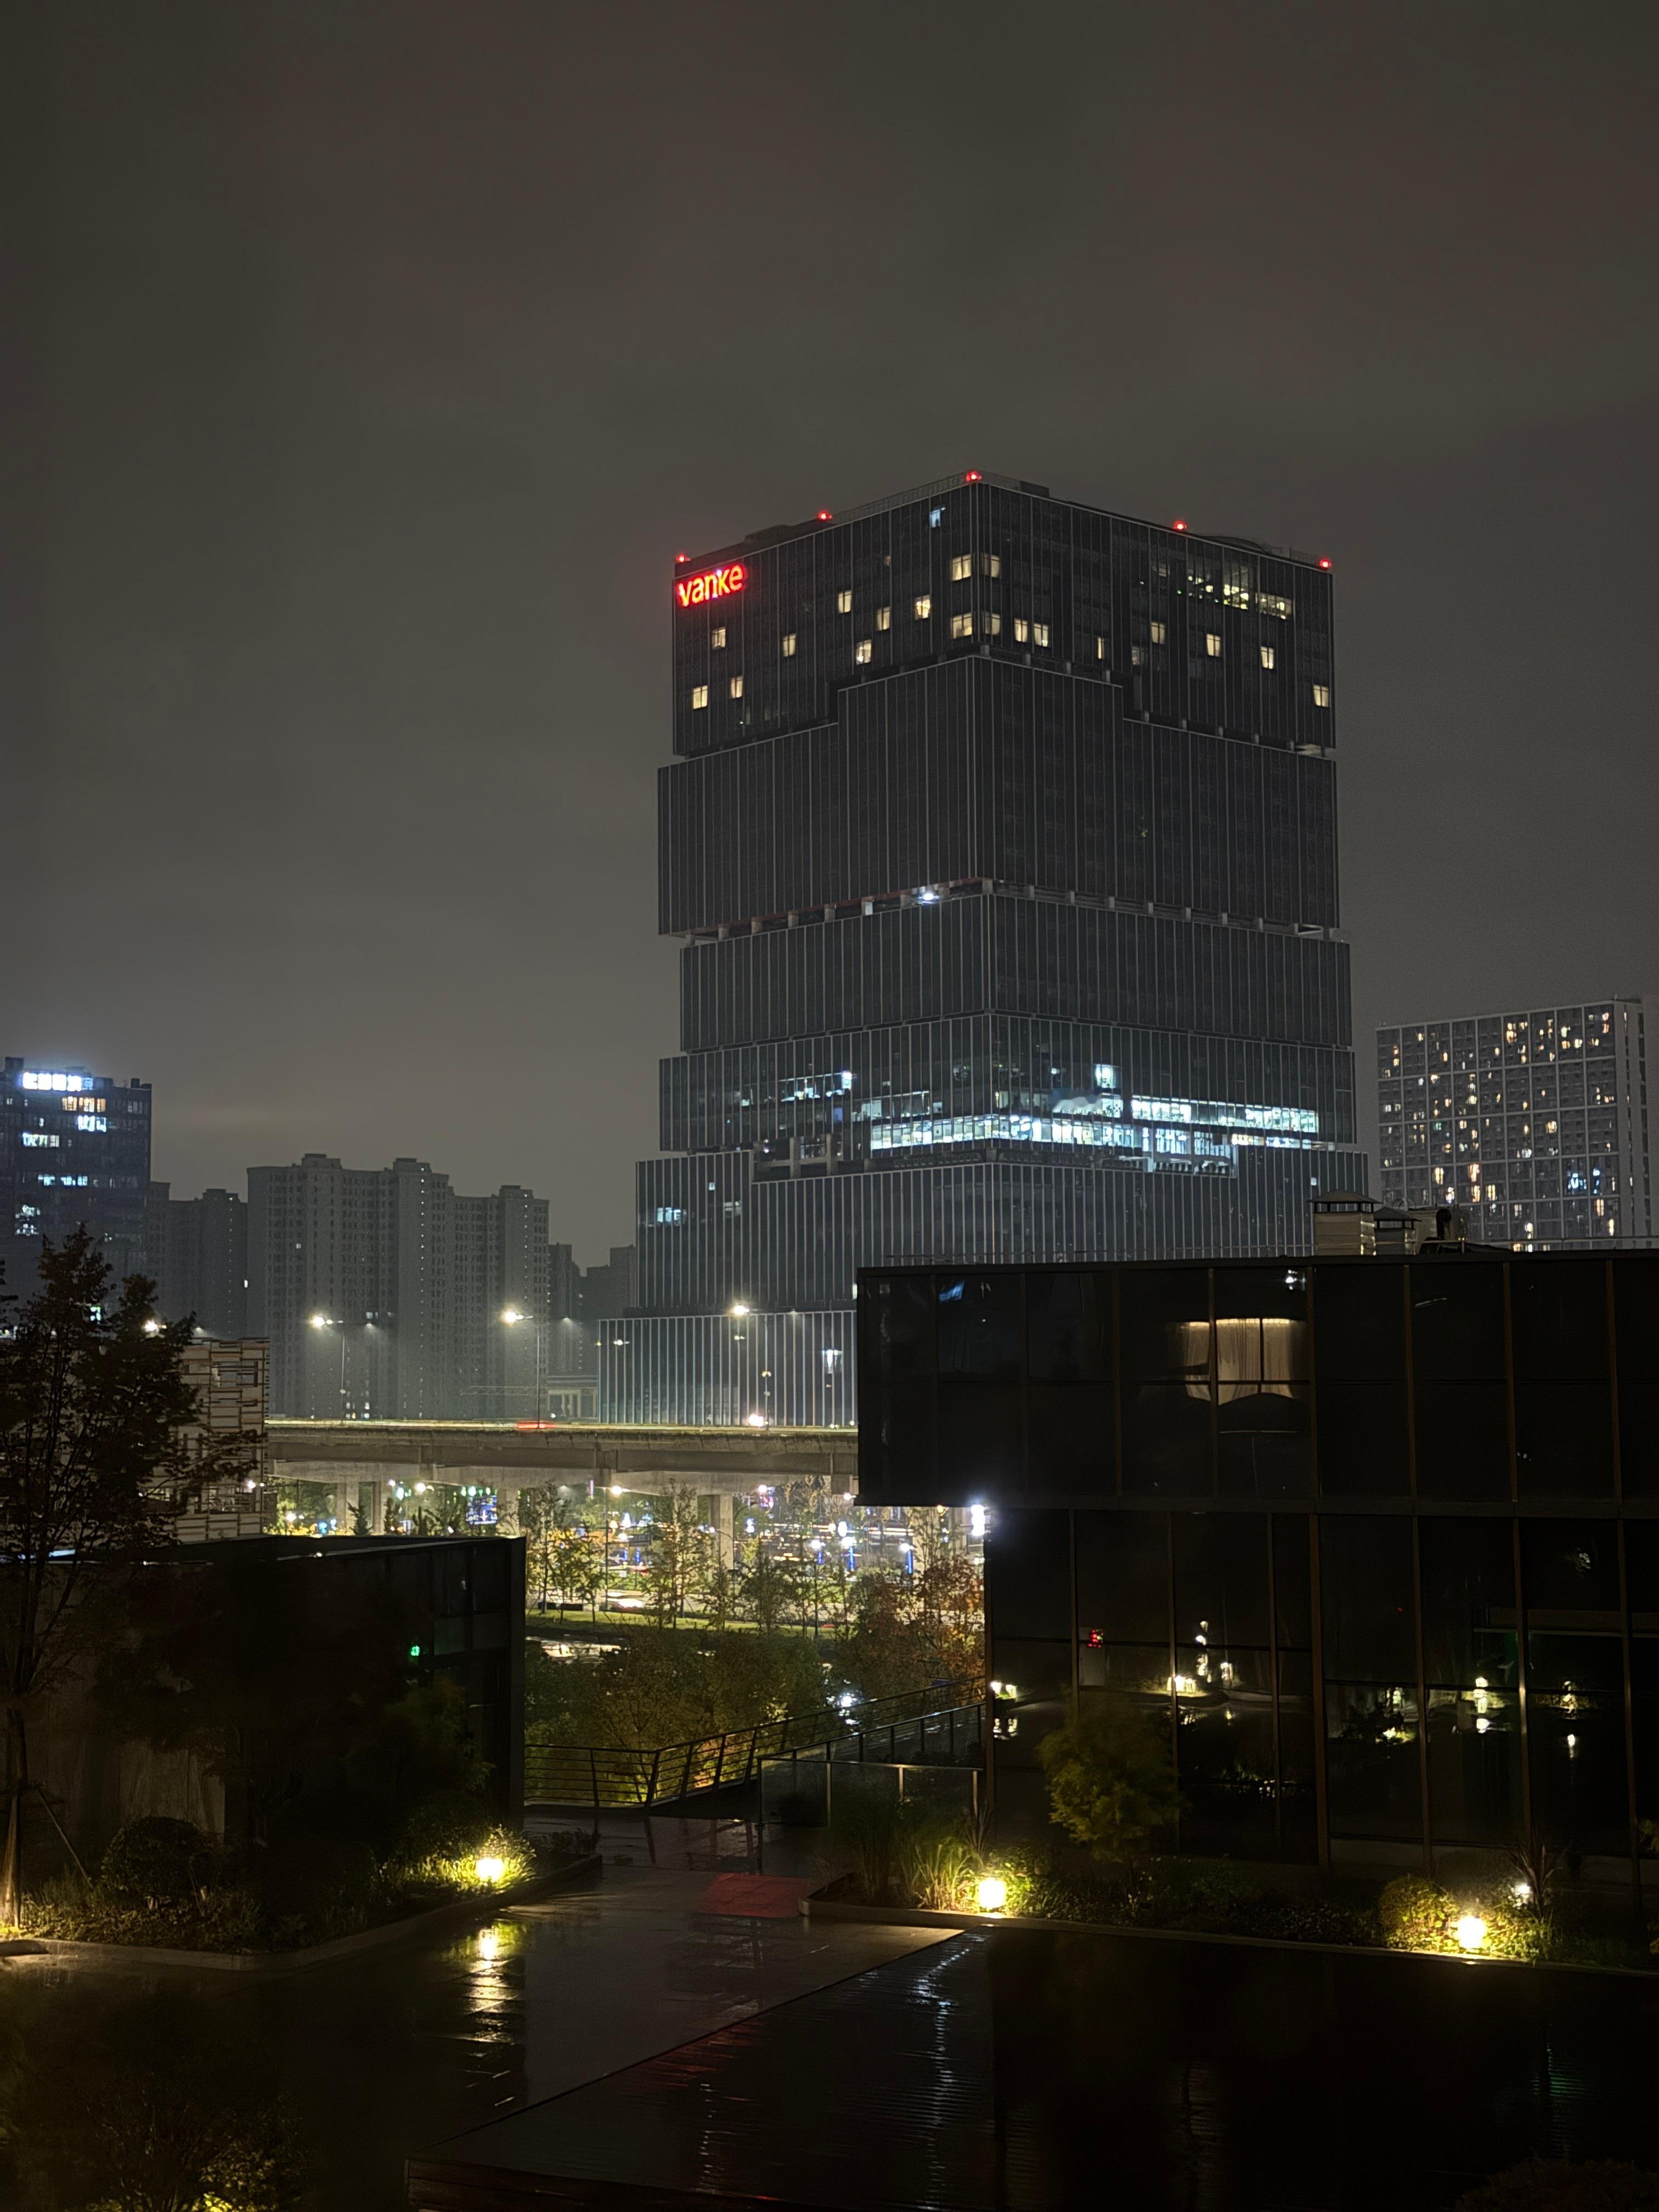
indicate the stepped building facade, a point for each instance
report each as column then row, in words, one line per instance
column 1000, row 841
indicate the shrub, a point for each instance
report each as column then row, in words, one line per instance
column 315, row 1887
column 457, row 1870
column 1111, row 1776
column 160, row 1861
column 446, row 1826
column 1415, row 1915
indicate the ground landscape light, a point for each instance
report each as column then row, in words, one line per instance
column 993, row 1894
column 492, row 1870
column 1472, row 1932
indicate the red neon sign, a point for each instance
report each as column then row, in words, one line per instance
column 712, row 583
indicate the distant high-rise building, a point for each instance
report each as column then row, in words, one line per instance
column 74, row 1153
column 197, row 1256
column 1002, row 842
column 1535, row 1123
column 387, row 1296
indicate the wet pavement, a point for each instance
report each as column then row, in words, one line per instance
column 1023, row 2068
column 384, row 2053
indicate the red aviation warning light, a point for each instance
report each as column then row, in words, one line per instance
column 972, row 476
column 1323, row 562
column 713, row 583
column 823, row 515
column 1177, row 526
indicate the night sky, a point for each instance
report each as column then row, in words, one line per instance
column 376, row 361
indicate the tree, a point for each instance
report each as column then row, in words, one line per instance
column 766, row 1587
column 94, row 1460
column 1111, row 1776
column 679, row 1550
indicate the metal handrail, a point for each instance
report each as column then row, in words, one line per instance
column 587, row 1774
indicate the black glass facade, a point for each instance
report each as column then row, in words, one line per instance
column 1001, row 839
column 1380, row 1538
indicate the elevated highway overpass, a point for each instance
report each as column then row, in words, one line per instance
column 361, row 1460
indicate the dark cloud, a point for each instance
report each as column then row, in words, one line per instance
column 377, row 360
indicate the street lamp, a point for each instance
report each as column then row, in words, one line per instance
column 513, row 1316
column 320, row 1322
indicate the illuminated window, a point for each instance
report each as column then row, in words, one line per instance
column 95, row 1122
column 924, row 607
column 962, row 566
column 1266, row 656
column 843, row 603
column 1211, row 644
column 990, row 563
column 717, row 638
column 1159, row 633
column 38, row 1138
column 1039, row 633
column 1100, row 648
column 1136, row 656
column 884, row 617
column 863, row 650
column 699, row 695
column 789, row 645
column 736, row 687
column 962, row 625
column 994, row 625
column 1322, row 695
column 1022, row 630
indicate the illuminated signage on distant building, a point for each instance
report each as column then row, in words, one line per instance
column 713, row 583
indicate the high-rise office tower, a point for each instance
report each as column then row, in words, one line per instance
column 1535, row 1123
column 1001, row 838
column 74, row 1153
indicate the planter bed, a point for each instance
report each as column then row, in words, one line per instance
column 821, row 1908
column 457, row 1913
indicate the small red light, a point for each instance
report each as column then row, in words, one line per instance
column 824, row 515
column 682, row 558
column 1177, row 526
column 972, row 476
column 1324, row 564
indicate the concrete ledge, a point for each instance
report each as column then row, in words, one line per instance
column 965, row 1923
column 460, row 1913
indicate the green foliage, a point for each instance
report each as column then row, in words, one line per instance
column 446, row 1826
column 1415, row 1915
column 1111, row 1776
column 157, row 1860
column 1546, row 2185
column 453, row 1871
column 911, row 1630
column 164, row 2110
column 93, row 1462
column 668, row 1685
column 680, row 1553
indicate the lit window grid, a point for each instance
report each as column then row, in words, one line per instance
column 1513, row 1117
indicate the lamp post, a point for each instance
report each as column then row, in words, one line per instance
column 513, row 1318
column 327, row 1321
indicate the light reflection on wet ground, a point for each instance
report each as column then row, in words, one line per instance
column 386, row 2053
